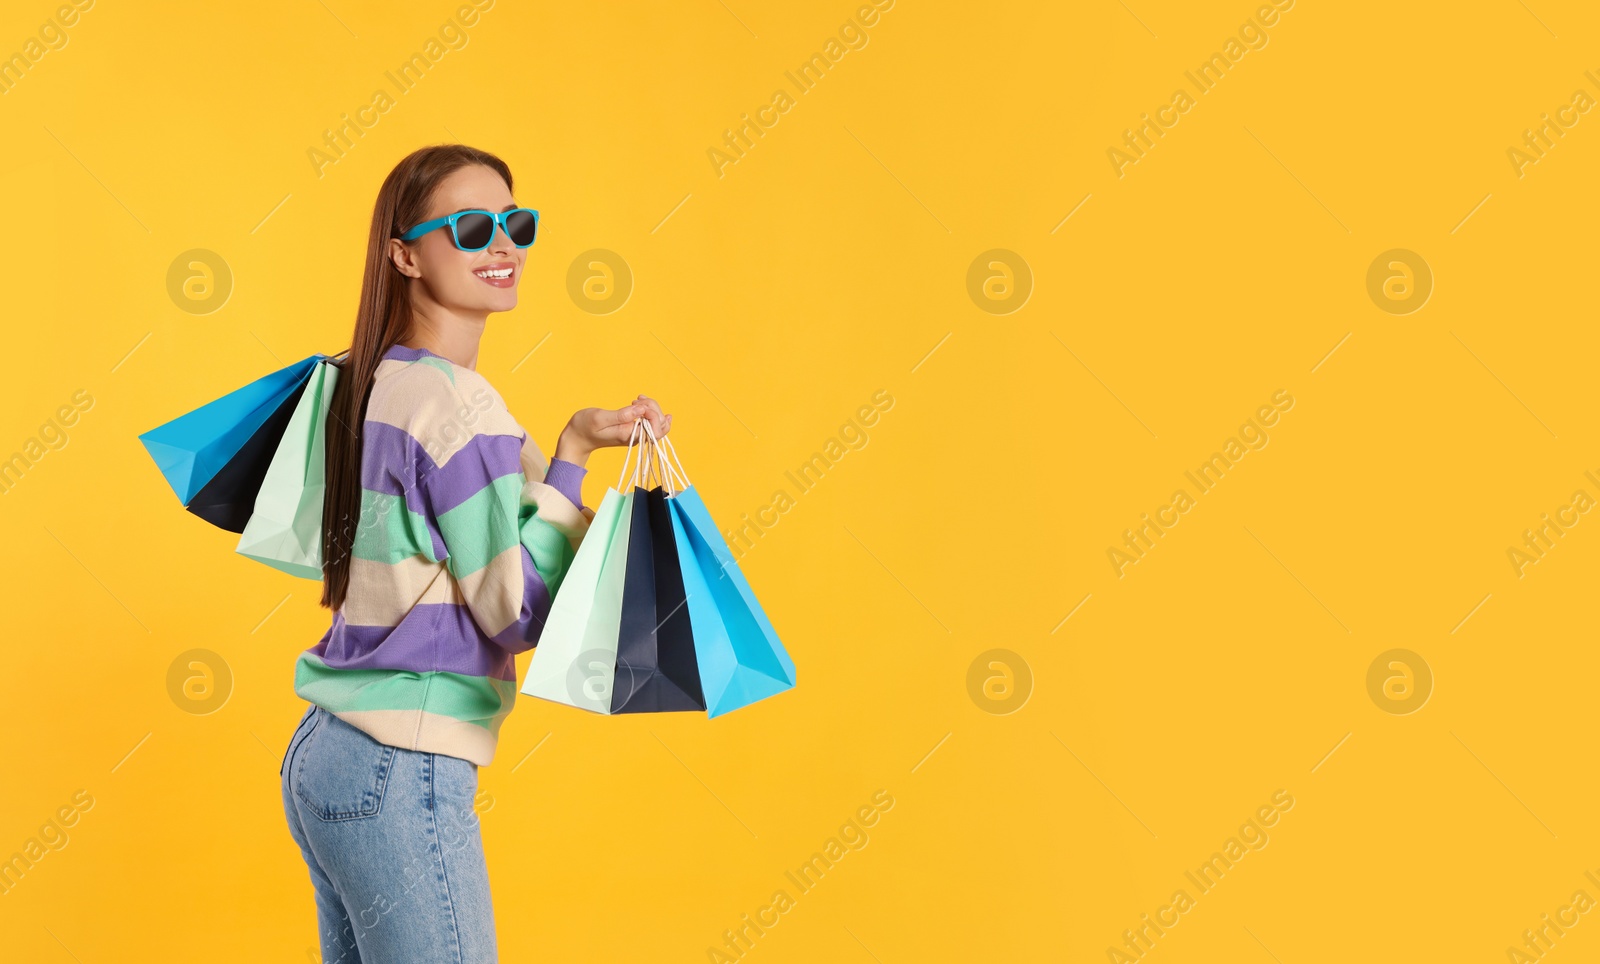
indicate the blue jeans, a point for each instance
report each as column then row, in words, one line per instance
column 393, row 844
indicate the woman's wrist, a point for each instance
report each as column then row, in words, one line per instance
column 567, row 479
column 570, row 448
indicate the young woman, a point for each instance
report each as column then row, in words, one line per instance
column 446, row 536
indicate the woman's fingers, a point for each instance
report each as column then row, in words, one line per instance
column 648, row 409
column 609, row 426
column 652, row 410
column 616, row 426
column 623, row 431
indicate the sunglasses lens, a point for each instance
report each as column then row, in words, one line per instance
column 473, row 231
column 521, row 225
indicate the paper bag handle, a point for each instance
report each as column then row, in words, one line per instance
column 654, row 455
column 674, row 465
column 642, row 469
column 665, row 474
column 629, row 456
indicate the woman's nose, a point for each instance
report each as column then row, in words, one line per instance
column 501, row 240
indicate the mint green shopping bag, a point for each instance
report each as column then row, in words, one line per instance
column 285, row 528
column 577, row 653
column 576, row 659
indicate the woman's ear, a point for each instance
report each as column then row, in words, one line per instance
column 401, row 256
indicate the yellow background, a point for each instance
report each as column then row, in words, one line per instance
column 769, row 304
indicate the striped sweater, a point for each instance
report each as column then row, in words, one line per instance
column 453, row 565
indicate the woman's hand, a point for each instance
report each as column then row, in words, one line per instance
column 593, row 428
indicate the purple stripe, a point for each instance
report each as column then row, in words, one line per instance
column 431, row 637
column 523, row 633
column 391, row 461
column 399, row 352
column 415, row 643
column 376, row 477
column 395, row 463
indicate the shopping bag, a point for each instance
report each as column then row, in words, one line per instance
column 576, row 658
column 577, row 653
column 739, row 655
column 216, row 456
column 656, row 667
column 285, row 529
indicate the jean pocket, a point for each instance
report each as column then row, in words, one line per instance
column 342, row 772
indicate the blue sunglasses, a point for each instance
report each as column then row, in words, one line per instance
column 473, row 230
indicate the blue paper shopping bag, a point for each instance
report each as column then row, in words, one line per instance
column 740, row 657
column 216, row 456
column 656, row 669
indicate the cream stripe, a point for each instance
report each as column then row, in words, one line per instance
column 425, row 732
column 381, row 594
column 419, row 400
column 556, row 509
column 496, row 590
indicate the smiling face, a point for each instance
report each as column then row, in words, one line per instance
column 469, row 282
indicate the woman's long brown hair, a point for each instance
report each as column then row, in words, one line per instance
column 383, row 318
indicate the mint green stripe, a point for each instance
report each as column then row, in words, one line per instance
column 438, row 363
column 483, row 526
column 389, row 531
column 479, row 700
column 552, row 553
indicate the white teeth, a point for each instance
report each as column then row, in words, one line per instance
column 497, row 273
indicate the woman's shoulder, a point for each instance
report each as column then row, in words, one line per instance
column 438, row 399
column 429, row 375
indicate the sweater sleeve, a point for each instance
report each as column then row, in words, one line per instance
column 568, row 477
column 508, row 541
